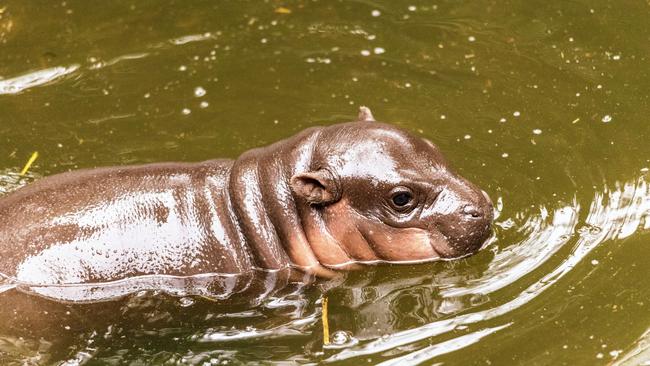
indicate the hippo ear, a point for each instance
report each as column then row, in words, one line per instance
column 365, row 115
column 318, row 187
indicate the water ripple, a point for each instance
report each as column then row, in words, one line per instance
column 28, row 80
column 32, row 79
column 543, row 240
column 430, row 352
column 614, row 213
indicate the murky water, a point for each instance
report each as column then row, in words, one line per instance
column 542, row 104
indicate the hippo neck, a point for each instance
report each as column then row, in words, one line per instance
column 265, row 208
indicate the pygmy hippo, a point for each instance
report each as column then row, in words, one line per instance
column 327, row 199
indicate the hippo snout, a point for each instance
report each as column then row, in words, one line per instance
column 472, row 211
column 469, row 225
column 482, row 209
column 478, row 223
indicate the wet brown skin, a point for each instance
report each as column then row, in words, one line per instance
column 326, row 199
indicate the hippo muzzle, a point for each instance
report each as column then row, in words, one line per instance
column 464, row 220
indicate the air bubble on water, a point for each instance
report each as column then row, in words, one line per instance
column 516, row 113
column 375, row 13
column 504, row 155
column 365, row 53
column 606, row 118
column 502, row 120
column 182, row 68
column 537, row 131
column 186, row 301
column 594, row 262
column 616, row 57
column 199, row 92
column 204, row 104
column 412, row 8
column 644, row 169
column 186, row 111
column 341, row 339
column 379, row 50
column 467, row 137
column 408, row 85
column 471, row 38
column 600, row 355
column 442, row 116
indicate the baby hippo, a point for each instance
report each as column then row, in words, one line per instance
column 327, row 199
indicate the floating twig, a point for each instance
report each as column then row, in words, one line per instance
column 31, row 161
column 326, row 327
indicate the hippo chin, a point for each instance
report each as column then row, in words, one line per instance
column 326, row 199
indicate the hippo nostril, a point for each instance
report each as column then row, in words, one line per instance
column 472, row 211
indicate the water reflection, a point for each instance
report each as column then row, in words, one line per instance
column 254, row 286
column 34, row 329
column 10, row 180
column 32, row 79
column 638, row 354
column 50, row 75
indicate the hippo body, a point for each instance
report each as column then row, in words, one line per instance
column 323, row 200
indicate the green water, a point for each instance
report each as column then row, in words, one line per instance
column 544, row 104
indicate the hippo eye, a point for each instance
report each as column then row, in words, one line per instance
column 402, row 199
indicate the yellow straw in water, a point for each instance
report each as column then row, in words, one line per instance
column 326, row 327
column 29, row 163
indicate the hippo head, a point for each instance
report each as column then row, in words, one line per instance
column 375, row 192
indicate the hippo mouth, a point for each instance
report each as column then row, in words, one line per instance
column 440, row 245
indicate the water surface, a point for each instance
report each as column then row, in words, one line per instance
column 542, row 104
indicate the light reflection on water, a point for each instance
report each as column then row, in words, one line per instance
column 46, row 76
column 10, row 180
column 451, row 307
